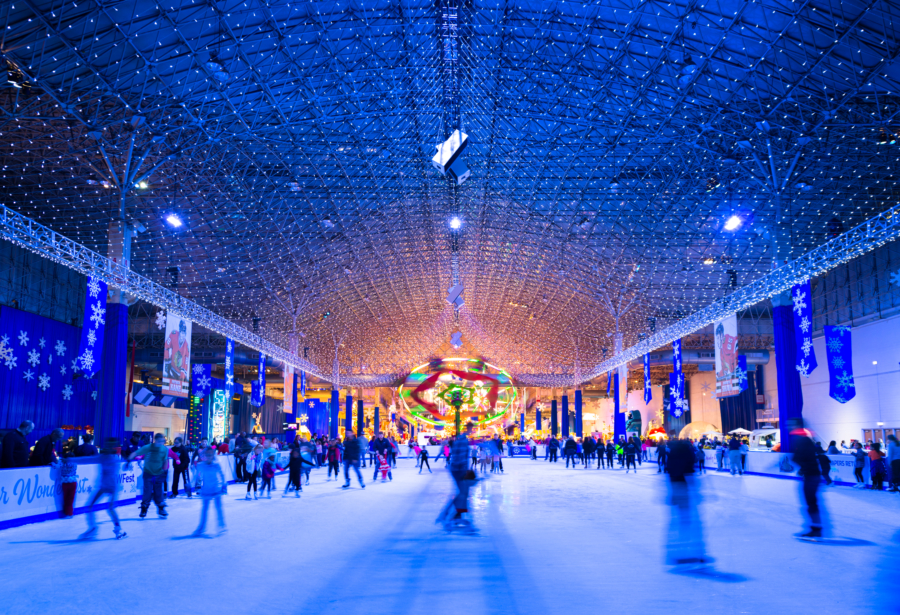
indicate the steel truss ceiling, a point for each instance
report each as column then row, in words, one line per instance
column 609, row 143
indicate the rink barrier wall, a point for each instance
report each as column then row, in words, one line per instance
column 34, row 494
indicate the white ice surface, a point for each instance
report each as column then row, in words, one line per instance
column 552, row 541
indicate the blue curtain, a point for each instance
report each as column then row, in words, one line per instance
column 671, row 424
column 36, row 380
column 740, row 410
column 790, row 394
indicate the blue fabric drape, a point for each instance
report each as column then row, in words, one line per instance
column 648, row 392
column 334, row 411
column 554, row 425
column 672, row 424
column 537, row 420
column 90, row 348
column 229, row 368
column 790, row 395
column 838, row 345
column 578, row 415
column 348, row 412
column 801, row 295
column 740, row 410
column 565, row 416
column 619, row 416
column 109, row 416
column 377, row 419
column 37, row 382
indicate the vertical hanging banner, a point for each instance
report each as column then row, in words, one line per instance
column 302, row 384
column 806, row 354
column 229, row 368
column 177, row 356
column 840, row 363
column 260, row 394
column 727, row 384
column 741, row 373
column 608, row 382
column 202, row 382
column 91, row 347
column 288, row 390
column 648, row 393
column 676, row 395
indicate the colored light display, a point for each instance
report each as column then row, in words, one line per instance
column 483, row 391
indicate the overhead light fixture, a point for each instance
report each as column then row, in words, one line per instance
column 709, row 260
column 173, row 220
column 615, row 183
column 885, row 137
column 455, row 223
column 733, row 223
column 327, row 223
column 142, row 185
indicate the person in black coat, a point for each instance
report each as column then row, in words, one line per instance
column 610, row 453
column 15, row 447
column 44, row 453
column 806, row 456
column 589, row 446
column 553, row 449
column 570, row 450
column 86, row 448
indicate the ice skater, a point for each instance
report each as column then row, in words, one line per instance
column 295, row 463
column 384, row 466
column 423, row 460
column 268, row 477
column 252, row 469
column 212, row 487
column 630, row 453
column 156, row 466
column 804, row 455
column 352, row 453
column 455, row 514
column 109, row 484
column 685, row 547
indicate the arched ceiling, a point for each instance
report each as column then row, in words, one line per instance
column 609, row 143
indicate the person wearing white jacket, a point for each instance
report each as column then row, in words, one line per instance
column 254, row 465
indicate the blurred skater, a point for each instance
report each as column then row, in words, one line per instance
column 156, row 466
column 685, row 548
column 455, row 512
column 384, row 466
column 108, row 486
column 268, row 477
column 806, row 457
column 423, row 460
column 352, row 453
column 252, row 468
column 212, row 487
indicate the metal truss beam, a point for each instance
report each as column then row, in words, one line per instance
column 864, row 238
column 28, row 234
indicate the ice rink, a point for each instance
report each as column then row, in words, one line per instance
column 552, row 540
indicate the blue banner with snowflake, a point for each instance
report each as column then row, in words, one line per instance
column 303, row 384
column 229, row 368
column 741, row 373
column 90, row 351
column 201, row 380
column 258, row 386
column 840, row 363
column 806, row 355
column 648, row 393
column 677, row 402
column 608, row 382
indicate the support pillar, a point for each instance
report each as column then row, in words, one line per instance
column 360, row 416
column 790, row 394
column 565, row 416
column 377, row 424
column 335, row 413
column 537, row 420
column 114, row 377
column 619, row 416
column 554, row 429
column 348, row 412
column 578, row 425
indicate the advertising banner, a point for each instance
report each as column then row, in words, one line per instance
column 177, row 356
column 728, row 377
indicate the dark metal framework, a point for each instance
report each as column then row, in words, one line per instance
column 609, row 144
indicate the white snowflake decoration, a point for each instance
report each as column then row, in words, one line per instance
column 845, row 381
column 67, row 392
column 91, row 337
column 161, row 319
column 740, row 375
column 94, row 395
column 895, row 278
column 799, row 298
column 23, row 338
column 837, row 362
column 97, row 315
column 5, row 340
column 93, row 287
column 60, row 348
column 9, row 359
column 227, row 362
column 42, row 343
column 806, row 347
column 34, row 357
column 229, row 380
column 835, row 345
column 840, row 399
column 203, row 382
column 74, row 365
column 62, row 370
column 804, row 324
column 842, row 329
column 198, row 369
column 28, row 375
column 5, row 351
column 87, row 361
column 44, row 382
column 803, row 368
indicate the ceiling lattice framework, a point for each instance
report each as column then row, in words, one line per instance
column 609, row 142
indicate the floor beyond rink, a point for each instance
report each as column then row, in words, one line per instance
column 552, row 540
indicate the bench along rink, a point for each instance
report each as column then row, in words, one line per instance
column 589, row 540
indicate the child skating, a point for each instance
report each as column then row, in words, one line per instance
column 384, row 466
column 109, row 474
column 212, row 487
